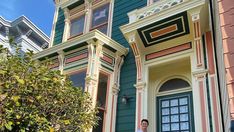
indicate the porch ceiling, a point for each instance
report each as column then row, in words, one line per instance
column 167, row 28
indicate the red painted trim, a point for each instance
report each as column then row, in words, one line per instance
column 195, row 29
column 139, row 111
column 107, row 59
column 215, row 106
column 112, row 109
column 107, row 95
column 210, row 53
column 198, row 29
column 76, row 58
column 203, row 110
column 169, row 51
column 198, row 47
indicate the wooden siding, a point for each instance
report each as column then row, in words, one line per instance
column 125, row 121
column 59, row 28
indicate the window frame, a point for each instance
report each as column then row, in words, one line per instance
column 107, row 95
column 76, row 72
column 102, row 24
column 76, row 18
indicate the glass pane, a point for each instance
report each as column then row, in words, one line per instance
column 78, row 79
column 165, row 111
column 184, row 126
column 183, row 109
column 166, row 127
column 165, row 103
column 77, row 26
column 175, row 126
column 174, row 102
column 184, row 117
column 175, row 118
column 165, row 119
column 102, row 89
column 174, row 110
column 183, row 101
column 100, row 15
column 103, row 29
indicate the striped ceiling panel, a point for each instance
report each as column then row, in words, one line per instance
column 166, row 29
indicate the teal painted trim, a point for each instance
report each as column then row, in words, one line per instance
column 184, row 94
column 67, row 67
column 59, row 28
column 125, row 117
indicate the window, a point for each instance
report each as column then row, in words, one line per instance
column 101, row 101
column 77, row 26
column 100, row 18
column 78, row 79
column 175, row 113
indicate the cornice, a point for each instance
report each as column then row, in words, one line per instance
column 95, row 34
column 162, row 15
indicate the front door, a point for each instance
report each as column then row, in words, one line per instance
column 175, row 113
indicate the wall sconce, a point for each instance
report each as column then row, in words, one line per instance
column 125, row 99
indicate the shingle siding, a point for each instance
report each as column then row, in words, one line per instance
column 125, row 121
column 59, row 28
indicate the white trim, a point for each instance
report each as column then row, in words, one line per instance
column 52, row 34
column 95, row 34
column 185, row 6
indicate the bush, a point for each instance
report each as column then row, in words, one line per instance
column 35, row 98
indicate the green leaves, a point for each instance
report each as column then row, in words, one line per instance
column 35, row 98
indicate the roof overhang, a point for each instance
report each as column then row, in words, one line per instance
column 150, row 25
column 80, row 41
column 71, row 3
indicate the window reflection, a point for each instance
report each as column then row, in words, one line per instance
column 78, row 79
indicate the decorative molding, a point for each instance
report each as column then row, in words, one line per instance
column 140, row 86
column 168, row 51
column 133, row 24
column 164, row 30
column 158, row 7
column 95, row 34
column 200, row 75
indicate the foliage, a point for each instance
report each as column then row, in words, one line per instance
column 35, row 98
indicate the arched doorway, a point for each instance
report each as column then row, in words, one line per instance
column 174, row 107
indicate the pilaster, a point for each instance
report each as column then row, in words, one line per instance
column 140, row 83
column 115, row 90
column 66, row 32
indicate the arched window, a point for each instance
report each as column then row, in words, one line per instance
column 174, row 84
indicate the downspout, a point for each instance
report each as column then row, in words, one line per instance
column 216, row 62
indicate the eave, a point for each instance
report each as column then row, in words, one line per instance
column 93, row 35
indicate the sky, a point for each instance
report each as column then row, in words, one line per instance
column 40, row 12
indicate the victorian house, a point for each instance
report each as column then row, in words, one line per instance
column 168, row 61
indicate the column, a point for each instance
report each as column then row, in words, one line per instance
column 200, row 95
column 61, row 58
column 66, row 32
column 140, row 83
column 95, row 53
column 115, row 90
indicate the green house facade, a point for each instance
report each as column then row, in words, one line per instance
column 142, row 59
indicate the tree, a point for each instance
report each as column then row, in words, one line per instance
column 35, row 98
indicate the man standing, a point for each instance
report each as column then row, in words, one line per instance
column 144, row 125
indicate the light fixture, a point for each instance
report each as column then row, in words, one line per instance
column 125, row 99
